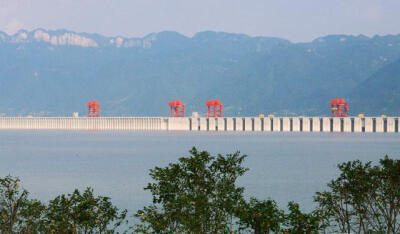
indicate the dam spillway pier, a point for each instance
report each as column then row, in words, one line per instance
column 218, row 124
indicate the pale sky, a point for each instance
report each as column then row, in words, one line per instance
column 296, row 20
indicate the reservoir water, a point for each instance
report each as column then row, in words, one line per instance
column 283, row 166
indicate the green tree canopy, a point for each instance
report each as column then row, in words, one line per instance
column 298, row 222
column 364, row 198
column 196, row 195
column 83, row 213
column 18, row 214
column 260, row 216
column 73, row 213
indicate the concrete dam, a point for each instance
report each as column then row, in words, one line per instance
column 219, row 124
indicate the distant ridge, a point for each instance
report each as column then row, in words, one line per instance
column 55, row 72
column 67, row 37
column 70, row 38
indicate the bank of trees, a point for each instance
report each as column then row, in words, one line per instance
column 199, row 194
column 363, row 199
column 78, row 212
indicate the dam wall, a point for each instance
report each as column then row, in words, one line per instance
column 100, row 123
column 221, row 124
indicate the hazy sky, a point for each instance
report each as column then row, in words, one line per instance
column 296, row 20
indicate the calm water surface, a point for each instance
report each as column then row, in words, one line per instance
column 284, row 167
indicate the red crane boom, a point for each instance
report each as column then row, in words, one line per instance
column 336, row 107
column 93, row 109
column 177, row 108
column 214, row 108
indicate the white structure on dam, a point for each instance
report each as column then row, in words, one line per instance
column 223, row 124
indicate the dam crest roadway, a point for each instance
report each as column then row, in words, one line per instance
column 218, row 124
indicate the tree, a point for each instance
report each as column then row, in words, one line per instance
column 18, row 214
column 32, row 217
column 260, row 216
column 83, row 213
column 363, row 198
column 196, row 195
column 387, row 194
column 299, row 222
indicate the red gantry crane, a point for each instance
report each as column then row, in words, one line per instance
column 214, row 108
column 336, row 107
column 177, row 108
column 93, row 109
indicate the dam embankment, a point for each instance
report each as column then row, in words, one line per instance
column 238, row 124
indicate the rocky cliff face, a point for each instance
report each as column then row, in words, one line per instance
column 69, row 38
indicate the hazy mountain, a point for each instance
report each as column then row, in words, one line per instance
column 57, row 72
column 380, row 94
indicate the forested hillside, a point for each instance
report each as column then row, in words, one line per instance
column 56, row 72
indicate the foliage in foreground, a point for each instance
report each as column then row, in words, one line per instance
column 198, row 194
column 364, row 198
column 73, row 213
column 265, row 217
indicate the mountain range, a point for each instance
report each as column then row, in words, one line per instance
column 52, row 73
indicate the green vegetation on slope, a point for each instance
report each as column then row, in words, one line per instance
column 251, row 75
column 380, row 94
